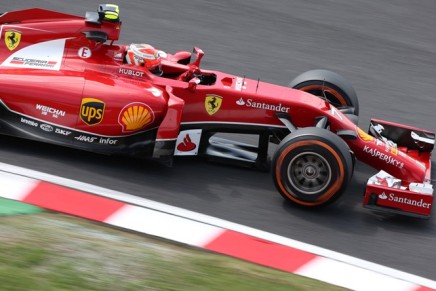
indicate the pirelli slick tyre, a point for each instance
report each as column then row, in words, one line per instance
column 312, row 167
column 332, row 86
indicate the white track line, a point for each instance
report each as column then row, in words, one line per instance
column 359, row 263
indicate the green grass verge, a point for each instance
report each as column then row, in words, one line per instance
column 50, row 251
column 12, row 207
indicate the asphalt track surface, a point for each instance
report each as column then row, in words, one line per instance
column 387, row 49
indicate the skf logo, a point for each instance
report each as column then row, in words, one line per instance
column 135, row 116
column 12, row 39
column 92, row 111
column 213, row 103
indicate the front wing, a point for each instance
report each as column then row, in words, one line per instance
column 388, row 194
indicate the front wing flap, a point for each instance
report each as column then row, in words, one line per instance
column 385, row 193
column 389, row 194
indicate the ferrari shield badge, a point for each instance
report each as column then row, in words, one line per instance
column 12, row 39
column 213, row 103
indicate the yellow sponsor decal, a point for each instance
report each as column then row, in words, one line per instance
column 12, row 39
column 364, row 136
column 135, row 116
column 92, row 111
column 213, row 103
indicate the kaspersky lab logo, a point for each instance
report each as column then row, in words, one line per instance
column 92, row 111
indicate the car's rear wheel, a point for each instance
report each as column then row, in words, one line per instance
column 331, row 86
column 312, row 167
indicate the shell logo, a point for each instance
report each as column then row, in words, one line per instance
column 135, row 116
column 364, row 136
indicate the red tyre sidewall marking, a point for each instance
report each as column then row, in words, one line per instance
column 331, row 90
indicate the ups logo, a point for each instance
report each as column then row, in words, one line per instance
column 92, row 111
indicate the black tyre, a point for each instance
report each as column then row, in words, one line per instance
column 312, row 167
column 328, row 85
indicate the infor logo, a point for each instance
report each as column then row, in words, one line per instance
column 92, row 111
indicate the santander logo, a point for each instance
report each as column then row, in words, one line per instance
column 262, row 105
column 392, row 197
column 383, row 196
column 186, row 145
column 188, row 142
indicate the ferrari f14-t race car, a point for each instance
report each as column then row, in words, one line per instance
column 64, row 80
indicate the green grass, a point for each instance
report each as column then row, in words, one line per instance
column 51, row 251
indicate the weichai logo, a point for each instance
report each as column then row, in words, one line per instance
column 92, row 111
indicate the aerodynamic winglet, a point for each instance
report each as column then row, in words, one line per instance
column 36, row 14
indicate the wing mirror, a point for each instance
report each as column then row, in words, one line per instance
column 192, row 84
column 197, row 55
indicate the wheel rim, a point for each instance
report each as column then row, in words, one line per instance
column 309, row 172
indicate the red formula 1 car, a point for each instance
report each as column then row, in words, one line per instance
column 63, row 80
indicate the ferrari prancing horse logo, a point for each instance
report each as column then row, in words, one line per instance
column 213, row 103
column 12, row 39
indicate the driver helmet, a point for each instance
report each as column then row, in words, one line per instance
column 144, row 55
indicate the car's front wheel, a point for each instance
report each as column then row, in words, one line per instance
column 312, row 167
